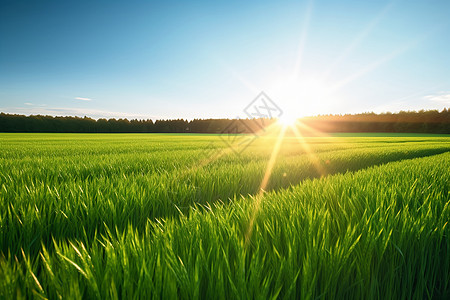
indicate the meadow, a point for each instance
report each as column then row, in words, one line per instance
column 185, row 216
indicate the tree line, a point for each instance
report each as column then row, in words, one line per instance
column 424, row 121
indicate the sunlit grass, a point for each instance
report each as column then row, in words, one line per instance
column 128, row 215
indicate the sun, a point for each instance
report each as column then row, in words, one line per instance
column 287, row 120
column 301, row 97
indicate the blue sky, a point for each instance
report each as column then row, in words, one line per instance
column 200, row 59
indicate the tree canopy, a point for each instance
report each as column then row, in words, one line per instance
column 424, row 121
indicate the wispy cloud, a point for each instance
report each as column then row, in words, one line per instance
column 441, row 97
column 83, row 99
column 416, row 101
column 28, row 103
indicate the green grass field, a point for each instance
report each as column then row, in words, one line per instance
column 183, row 216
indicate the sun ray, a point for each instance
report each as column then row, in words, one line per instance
column 310, row 129
column 376, row 64
column 272, row 160
column 310, row 153
column 303, row 36
column 326, row 138
column 221, row 152
column 358, row 39
column 239, row 77
column 265, row 181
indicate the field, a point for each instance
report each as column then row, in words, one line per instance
column 184, row 216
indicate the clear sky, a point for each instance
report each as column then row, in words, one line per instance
column 200, row 59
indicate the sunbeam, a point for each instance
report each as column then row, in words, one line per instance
column 230, row 149
column 358, row 39
column 265, row 181
column 303, row 36
column 272, row 160
column 312, row 156
column 239, row 77
column 374, row 65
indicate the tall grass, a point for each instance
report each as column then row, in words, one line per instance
column 106, row 224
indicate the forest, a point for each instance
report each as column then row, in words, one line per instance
column 423, row 121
